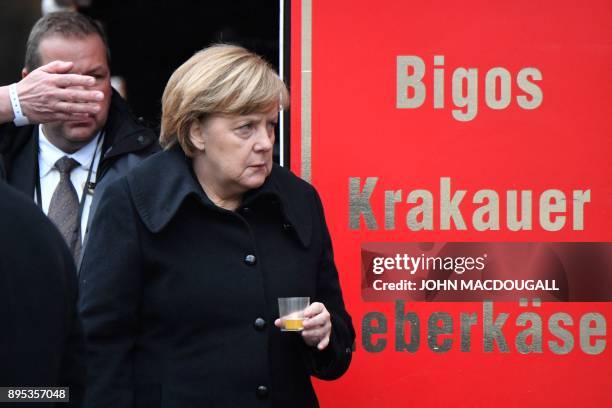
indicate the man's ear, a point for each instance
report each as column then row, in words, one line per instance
column 197, row 135
column 24, row 73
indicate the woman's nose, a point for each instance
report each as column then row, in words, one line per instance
column 264, row 140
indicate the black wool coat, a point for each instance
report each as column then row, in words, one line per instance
column 178, row 296
column 41, row 342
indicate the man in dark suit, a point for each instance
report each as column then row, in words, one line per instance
column 41, row 342
column 65, row 165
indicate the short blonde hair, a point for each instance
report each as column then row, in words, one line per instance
column 221, row 79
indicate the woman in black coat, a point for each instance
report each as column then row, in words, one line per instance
column 180, row 280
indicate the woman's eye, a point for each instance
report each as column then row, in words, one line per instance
column 244, row 129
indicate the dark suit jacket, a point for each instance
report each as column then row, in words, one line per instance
column 177, row 314
column 41, row 342
column 126, row 143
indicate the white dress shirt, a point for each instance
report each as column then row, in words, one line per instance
column 50, row 177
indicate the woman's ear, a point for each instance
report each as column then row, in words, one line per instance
column 197, row 135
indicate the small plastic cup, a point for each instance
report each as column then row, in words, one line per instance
column 291, row 312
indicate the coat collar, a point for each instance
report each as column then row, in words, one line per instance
column 123, row 133
column 158, row 195
column 23, row 168
column 19, row 149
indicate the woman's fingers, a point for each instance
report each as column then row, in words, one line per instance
column 317, row 326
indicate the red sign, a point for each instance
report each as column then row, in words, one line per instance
column 462, row 122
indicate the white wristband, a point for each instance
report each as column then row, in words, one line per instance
column 20, row 119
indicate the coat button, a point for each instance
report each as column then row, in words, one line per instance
column 287, row 226
column 262, row 391
column 250, row 259
column 259, row 324
column 141, row 139
column 347, row 351
column 246, row 210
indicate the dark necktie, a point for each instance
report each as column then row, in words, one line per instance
column 64, row 206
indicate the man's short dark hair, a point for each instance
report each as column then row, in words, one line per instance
column 64, row 24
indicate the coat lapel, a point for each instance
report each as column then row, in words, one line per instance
column 158, row 199
column 25, row 166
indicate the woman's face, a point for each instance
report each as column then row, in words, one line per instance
column 235, row 151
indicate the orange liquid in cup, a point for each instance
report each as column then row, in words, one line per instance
column 293, row 324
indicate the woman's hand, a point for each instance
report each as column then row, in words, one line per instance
column 317, row 325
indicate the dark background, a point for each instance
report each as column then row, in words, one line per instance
column 149, row 39
column 16, row 19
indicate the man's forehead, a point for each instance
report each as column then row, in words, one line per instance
column 70, row 37
column 58, row 42
column 73, row 48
